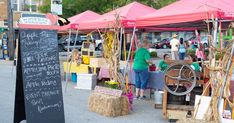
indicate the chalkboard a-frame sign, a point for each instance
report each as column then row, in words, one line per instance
column 38, row 97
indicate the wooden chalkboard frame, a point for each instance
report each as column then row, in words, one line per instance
column 22, row 109
column 19, row 109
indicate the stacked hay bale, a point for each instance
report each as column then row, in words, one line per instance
column 108, row 105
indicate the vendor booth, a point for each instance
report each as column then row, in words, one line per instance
column 193, row 15
column 111, row 26
column 127, row 14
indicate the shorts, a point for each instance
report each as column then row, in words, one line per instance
column 141, row 78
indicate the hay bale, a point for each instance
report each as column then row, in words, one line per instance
column 107, row 105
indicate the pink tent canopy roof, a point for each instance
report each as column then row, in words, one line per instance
column 188, row 11
column 127, row 14
column 82, row 17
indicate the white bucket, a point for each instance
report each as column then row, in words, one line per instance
column 158, row 97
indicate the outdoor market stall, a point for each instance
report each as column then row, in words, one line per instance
column 126, row 15
column 112, row 24
column 192, row 15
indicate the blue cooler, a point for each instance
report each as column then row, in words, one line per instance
column 74, row 77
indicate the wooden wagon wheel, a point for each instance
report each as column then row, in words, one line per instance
column 179, row 74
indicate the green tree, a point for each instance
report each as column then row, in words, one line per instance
column 73, row 7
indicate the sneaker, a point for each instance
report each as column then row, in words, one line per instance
column 142, row 98
column 137, row 97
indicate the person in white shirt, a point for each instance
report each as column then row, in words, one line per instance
column 174, row 47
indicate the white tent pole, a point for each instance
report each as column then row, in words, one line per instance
column 129, row 52
column 68, row 50
column 136, row 42
column 77, row 33
column 226, row 75
column 215, row 32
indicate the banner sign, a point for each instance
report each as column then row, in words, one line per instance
column 35, row 19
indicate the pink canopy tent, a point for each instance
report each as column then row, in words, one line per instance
column 82, row 17
column 185, row 11
column 127, row 14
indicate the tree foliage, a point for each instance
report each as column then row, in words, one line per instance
column 73, row 7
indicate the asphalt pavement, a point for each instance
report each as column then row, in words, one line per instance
column 75, row 103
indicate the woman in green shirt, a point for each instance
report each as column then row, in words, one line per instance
column 162, row 64
column 140, row 67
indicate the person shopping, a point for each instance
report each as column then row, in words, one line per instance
column 182, row 49
column 200, row 54
column 140, row 67
column 174, row 47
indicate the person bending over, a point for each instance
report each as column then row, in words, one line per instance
column 140, row 67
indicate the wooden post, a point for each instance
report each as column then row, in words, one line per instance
column 165, row 104
column 207, row 91
column 11, row 32
column 233, row 109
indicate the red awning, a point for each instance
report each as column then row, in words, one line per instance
column 189, row 11
column 127, row 14
column 82, row 17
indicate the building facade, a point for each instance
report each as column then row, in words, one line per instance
column 18, row 6
column 26, row 5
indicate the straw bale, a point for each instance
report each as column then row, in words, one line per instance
column 107, row 105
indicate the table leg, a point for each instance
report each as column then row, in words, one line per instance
column 94, row 70
column 150, row 92
column 64, row 76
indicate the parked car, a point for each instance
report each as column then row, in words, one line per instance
column 98, row 41
column 165, row 43
column 204, row 41
column 63, row 42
